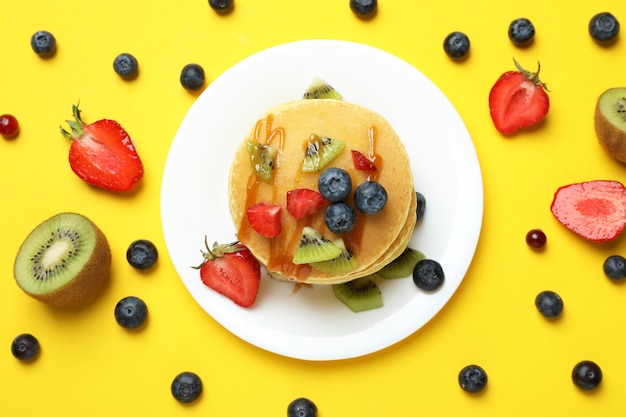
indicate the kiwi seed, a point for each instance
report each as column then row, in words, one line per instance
column 610, row 122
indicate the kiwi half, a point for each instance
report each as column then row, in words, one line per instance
column 403, row 265
column 342, row 264
column 610, row 122
column 64, row 261
column 319, row 151
column 314, row 247
column 262, row 159
column 320, row 89
column 359, row 295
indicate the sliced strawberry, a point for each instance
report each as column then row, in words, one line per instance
column 595, row 210
column 303, row 202
column 518, row 99
column 103, row 154
column 361, row 162
column 264, row 218
column 232, row 271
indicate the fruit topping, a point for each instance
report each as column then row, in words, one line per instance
column 142, row 254
column 222, row 6
column 521, row 31
column 334, row 184
column 186, row 387
column 604, row 27
column 359, row 295
column 25, row 347
column 131, row 312
column 43, row 43
column 420, row 209
column 370, row 198
column 302, row 407
column 319, row 151
column 192, row 77
column 9, row 126
column 64, row 261
column 314, row 247
column 549, row 304
column 536, row 239
column 456, row 45
column 518, row 99
column 262, row 160
column 264, row 218
column 364, row 8
column 403, row 265
column 103, row 154
column 231, row 270
column 340, row 217
column 303, row 202
column 320, row 89
column 125, row 65
column 614, row 267
column 361, row 162
column 594, row 210
column 587, row 375
column 340, row 265
column 610, row 122
column 428, row 275
column 472, row 379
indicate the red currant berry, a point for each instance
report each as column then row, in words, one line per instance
column 536, row 239
column 8, row 126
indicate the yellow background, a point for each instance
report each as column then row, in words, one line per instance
column 91, row 366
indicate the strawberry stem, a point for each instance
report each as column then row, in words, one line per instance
column 217, row 251
column 76, row 125
column 531, row 76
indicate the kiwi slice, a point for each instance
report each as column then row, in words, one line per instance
column 320, row 89
column 361, row 294
column 314, row 247
column 319, row 151
column 342, row 264
column 262, row 159
column 64, row 261
column 610, row 122
column 403, row 265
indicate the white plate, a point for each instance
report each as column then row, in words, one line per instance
column 310, row 323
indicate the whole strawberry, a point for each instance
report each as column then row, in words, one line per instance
column 231, row 270
column 518, row 99
column 103, row 154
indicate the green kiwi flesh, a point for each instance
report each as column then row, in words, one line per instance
column 403, row 265
column 319, row 151
column 314, row 247
column 64, row 261
column 261, row 159
column 359, row 295
column 342, row 264
column 610, row 122
column 320, row 89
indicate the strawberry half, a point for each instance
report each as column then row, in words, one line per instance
column 232, row 271
column 264, row 218
column 103, row 154
column 595, row 210
column 303, row 202
column 361, row 162
column 518, row 99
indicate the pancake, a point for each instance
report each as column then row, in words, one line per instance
column 375, row 240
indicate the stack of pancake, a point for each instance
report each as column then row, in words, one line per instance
column 375, row 240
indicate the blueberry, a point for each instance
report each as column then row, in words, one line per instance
column 43, row 43
column 126, row 66
column 186, row 387
column 370, row 198
column 340, row 217
column 192, row 77
column 521, row 31
column 428, row 275
column 456, row 45
column 302, row 407
column 587, row 375
column 603, row 27
column 364, row 8
column 549, row 304
column 221, row 6
column 25, row 347
column 421, row 206
column 472, row 378
column 334, row 184
column 615, row 267
column 142, row 254
column 131, row 312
